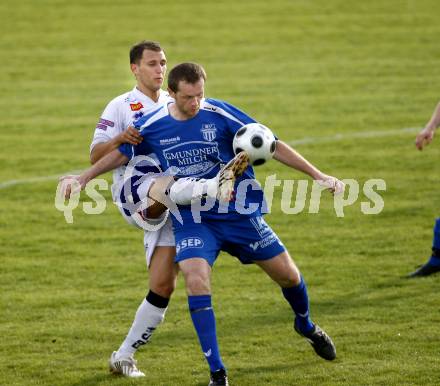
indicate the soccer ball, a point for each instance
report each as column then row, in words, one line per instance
column 256, row 140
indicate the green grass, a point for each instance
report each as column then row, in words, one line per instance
column 304, row 68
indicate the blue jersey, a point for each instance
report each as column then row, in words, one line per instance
column 199, row 147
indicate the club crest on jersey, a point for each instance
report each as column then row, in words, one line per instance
column 209, row 131
column 136, row 106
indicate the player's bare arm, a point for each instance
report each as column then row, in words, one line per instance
column 290, row 157
column 130, row 135
column 426, row 136
column 109, row 162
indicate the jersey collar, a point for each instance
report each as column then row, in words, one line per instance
column 139, row 95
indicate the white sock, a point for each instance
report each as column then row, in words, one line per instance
column 187, row 189
column 147, row 318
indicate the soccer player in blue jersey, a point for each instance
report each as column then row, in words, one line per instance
column 424, row 138
column 205, row 129
column 194, row 136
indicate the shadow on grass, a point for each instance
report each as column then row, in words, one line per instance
column 98, row 379
column 254, row 371
column 382, row 293
column 386, row 292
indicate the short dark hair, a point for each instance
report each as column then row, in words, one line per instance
column 138, row 49
column 188, row 72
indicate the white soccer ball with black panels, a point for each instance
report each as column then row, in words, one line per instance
column 257, row 141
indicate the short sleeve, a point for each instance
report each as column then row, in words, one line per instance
column 234, row 117
column 108, row 124
column 126, row 149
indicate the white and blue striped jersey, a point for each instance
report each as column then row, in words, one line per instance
column 198, row 147
column 120, row 113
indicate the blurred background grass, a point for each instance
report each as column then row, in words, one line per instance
column 304, row 68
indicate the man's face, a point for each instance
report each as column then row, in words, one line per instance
column 188, row 97
column 151, row 69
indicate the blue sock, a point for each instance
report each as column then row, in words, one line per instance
column 436, row 240
column 299, row 301
column 203, row 319
column 434, row 261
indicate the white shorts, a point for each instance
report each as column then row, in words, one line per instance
column 158, row 231
column 164, row 237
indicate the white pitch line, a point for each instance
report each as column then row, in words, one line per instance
column 6, row 184
column 302, row 141
column 359, row 134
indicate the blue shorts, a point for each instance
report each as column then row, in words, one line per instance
column 247, row 238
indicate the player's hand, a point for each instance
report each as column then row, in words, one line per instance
column 424, row 138
column 131, row 136
column 72, row 184
column 334, row 185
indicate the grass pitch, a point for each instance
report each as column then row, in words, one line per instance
column 309, row 69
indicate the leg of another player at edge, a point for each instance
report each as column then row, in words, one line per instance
column 283, row 271
column 433, row 264
column 436, row 244
column 151, row 312
column 197, row 275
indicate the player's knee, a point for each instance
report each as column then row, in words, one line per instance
column 291, row 278
column 158, row 189
column 197, row 284
column 293, row 281
column 163, row 281
column 155, row 209
column 164, row 288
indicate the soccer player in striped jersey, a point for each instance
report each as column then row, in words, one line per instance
column 148, row 65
